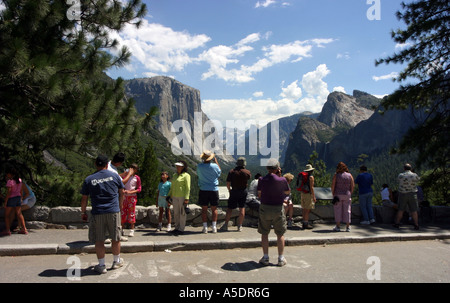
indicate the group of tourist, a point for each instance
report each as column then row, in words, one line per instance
column 114, row 197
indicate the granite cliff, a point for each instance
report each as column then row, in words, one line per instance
column 174, row 100
column 347, row 127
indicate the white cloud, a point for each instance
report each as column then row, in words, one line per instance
column 402, row 46
column 292, row 91
column 345, row 56
column 313, row 84
column 266, row 110
column 339, row 89
column 258, row 94
column 265, row 3
column 219, row 57
column 158, row 48
column 385, row 77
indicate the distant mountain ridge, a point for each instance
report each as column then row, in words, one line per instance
column 347, row 126
column 345, row 129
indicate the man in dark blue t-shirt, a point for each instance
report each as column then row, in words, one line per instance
column 106, row 191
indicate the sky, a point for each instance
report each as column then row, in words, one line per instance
column 265, row 59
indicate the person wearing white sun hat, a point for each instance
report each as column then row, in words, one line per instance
column 308, row 198
column 179, row 192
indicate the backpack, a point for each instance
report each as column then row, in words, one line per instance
column 303, row 179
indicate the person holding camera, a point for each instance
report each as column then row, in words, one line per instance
column 237, row 180
column 272, row 190
column 208, row 181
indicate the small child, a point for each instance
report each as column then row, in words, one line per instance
column 288, row 205
column 132, row 187
column 163, row 191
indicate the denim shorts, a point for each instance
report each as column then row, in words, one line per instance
column 14, row 202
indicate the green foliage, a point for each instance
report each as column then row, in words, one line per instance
column 150, row 176
column 54, row 94
column 427, row 54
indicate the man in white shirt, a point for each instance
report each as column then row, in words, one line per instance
column 407, row 195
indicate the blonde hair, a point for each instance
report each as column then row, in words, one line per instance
column 289, row 177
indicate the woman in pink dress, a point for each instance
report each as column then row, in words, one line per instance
column 132, row 188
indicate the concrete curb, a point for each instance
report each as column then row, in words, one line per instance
column 207, row 244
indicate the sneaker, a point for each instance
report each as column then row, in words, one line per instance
column 281, row 262
column 117, row 265
column 123, row 239
column 306, row 225
column 364, row 222
column 289, row 224
column 372, row 221
column 347, row 229
column 336, row 229
column 416, row 227
column 224, row 227
column 264, row 261
column 131, row 234
column 159, row 228
column 239, row 228
column 214, row 229
column 169, row 227
column 101, row 269
column 108, row 241
column 205, row 230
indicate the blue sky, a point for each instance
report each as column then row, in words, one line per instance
column 265, row 59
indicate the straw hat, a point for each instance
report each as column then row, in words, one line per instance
column 309, row 167
column 207, row 155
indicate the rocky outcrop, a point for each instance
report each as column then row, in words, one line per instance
column 340, row 113
column 174, row 100
column 342, row 110
column 42, row 217
column 379, row 132
column 308, row 136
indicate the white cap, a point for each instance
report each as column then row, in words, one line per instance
column 179, row 164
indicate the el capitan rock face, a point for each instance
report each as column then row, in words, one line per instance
column 174, row 100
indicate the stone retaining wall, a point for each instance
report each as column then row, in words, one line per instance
column 40, row 217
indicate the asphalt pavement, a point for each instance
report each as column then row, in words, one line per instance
column 74, row 241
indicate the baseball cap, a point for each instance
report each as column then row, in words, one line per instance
column 101, row 161
column 273, row 163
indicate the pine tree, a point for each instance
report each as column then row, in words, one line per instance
column 150, row 176
column 427, row 53
column 54, row 93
